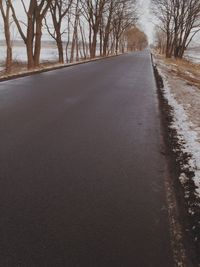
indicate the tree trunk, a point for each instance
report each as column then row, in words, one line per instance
column 38, row 37
column 73, row 41
column 29, row 50
column 60, row 48
column 107, row 30
column 29, row 44
column 116, row 45
column 8, row 48
column 101, row 42
column 105, row 44
column 6, row 19
column 94, row 44
column 68, row 39
column 77, row 47
column 83, row 41
column 90, row 40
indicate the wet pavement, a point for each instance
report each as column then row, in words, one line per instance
column 81, row 172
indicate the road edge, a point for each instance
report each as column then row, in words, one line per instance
column 57, row 67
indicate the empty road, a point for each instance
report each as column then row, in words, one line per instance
column 81, row 172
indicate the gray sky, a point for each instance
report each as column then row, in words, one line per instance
column 146, row 18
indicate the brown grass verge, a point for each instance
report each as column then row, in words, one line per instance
column 18, row 67
column 186, row 70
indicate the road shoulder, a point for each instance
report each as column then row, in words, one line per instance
column 179, row 104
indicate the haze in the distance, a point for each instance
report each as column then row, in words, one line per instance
column 146, row 18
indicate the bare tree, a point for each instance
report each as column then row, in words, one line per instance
column 59, row 9
column 105, row 18
column 160, row 40
column 35, row 13
column 5, row 12
column 107, row 21
column 93, row 12
column 164, row 12
column 180, row 21
column 107, row 24
column 125, row 17
column 75, row 31
column 136, row 39
column 83, row 40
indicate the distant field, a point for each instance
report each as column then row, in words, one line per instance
column 48, row 53
column 193, row 54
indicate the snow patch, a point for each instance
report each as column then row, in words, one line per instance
column 183, row 178
column 193, row 56
column 187, row 137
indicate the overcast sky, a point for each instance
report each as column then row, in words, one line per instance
column 146, row 19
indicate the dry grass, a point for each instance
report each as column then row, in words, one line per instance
column 186, row 70
column 18, row 67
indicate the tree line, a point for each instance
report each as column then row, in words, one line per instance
column 179, row 22
column 80, row 28
column 136, row 39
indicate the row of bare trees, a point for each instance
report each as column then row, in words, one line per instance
column 136, row 39
column 80, row 28
column 179, row 22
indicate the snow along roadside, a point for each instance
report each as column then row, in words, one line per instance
column 182, row 137
column 179, row 111
column 187, row 137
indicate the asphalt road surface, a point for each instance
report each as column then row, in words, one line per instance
column 81, row 172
